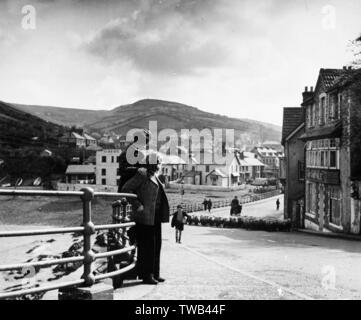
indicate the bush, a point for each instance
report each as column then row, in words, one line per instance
column 248, row 223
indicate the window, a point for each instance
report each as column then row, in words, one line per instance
column 104, row 172
column 311, row 198
column 333, row 160
column 333, row 107
column 323, row 154
column 118, row 172
column 104, row 159
column 207, row 168
column 322, row 111
column 339, row 106
column 112, row 159
column 104, row 182
column 313, row 110
column 335, row 206
column 301, row 170
column 118, row 159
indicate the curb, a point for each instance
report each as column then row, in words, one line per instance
column 348, row 237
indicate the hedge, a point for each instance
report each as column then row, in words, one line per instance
column 248, row 223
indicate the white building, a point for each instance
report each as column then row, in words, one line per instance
column 107, row 167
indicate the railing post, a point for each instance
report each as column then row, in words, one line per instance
column 89, row 230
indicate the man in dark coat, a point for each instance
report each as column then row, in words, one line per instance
column 209, row 205
column 205, row 204
column 150, row 210
column 235, row 206
column 136, row 149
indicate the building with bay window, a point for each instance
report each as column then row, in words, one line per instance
column 333, row 152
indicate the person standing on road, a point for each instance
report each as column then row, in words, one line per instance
column 234, row 205
column 205, row 204
column 178, row 221
column 278, row 204
column 209, row 205
column 150, row 210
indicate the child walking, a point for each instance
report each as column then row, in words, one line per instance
column 178, row 221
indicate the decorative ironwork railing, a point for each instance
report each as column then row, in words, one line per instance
column 88, row 229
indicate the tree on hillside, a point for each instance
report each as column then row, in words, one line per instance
column 355, row 47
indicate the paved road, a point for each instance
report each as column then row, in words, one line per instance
column 262, row 208
column 214, row 263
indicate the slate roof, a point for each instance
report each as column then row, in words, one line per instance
column 218, row 173
column 292, row 118
column 80, row 169
column 329, row 76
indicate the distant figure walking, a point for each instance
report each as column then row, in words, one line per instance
column 178, row 221
column 234, row 205
column 278, row 204
column 209, row 206
column 205, row 204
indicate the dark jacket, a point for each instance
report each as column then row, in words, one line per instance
column 127, row 170
column 235, row 203
column 146, row 188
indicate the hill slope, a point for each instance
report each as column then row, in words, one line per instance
column 179, row 116
column 63, row 116
column 168, row 114
column 21, row 129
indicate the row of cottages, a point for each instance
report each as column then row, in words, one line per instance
column 77, row 140
column 327, row 145
column 238, row 169
column 270, row 157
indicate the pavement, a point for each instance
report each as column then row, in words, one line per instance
column 214, row 263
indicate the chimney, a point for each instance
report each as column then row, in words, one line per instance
column 307, row 94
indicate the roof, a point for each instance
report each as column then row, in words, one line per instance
column 292, row 118
column 321, row 133
column 80, row 169
column 301, row 126
column 329, row 76
column 217, row 172
column 76, row 135
column 88, row 137
column 251, row 162
column 346, row 78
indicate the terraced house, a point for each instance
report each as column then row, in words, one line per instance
column 333, row 152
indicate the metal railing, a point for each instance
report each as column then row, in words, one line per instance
column 88, row 229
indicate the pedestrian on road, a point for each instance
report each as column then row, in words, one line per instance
column 209, row 205
column 278, row 204
column 150, row 210
column 178, row 221
column 205, row 204
column 234, row 206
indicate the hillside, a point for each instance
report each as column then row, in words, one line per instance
column 63, row 116
column 168, row 114
column 20, row 129
column 22, row 138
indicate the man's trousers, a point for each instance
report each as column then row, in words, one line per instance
column 149, row 242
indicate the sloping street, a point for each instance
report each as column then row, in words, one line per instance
column 213, row 263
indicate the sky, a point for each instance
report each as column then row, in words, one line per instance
column 240, row 58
